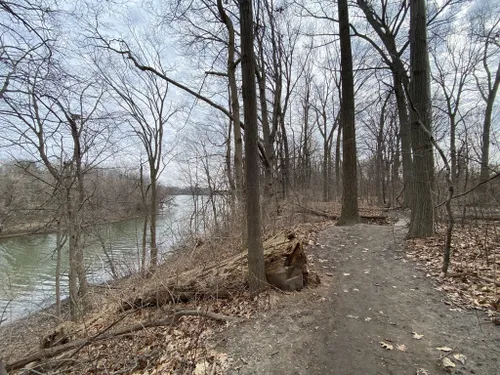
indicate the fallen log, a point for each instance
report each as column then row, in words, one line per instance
column 56, row 350
column 308, row 210
column 286, row 269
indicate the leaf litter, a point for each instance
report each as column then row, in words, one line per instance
column 473, row 280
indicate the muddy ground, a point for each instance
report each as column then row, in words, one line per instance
column 370, row 294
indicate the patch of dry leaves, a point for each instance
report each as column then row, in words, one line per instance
column 474, row 274
column 184, row 347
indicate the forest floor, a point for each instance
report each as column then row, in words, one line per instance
column 375, row 313
column 380, row 309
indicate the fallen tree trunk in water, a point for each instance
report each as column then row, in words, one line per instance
column 286, row 269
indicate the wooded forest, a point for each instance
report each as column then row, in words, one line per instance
column 261, row 104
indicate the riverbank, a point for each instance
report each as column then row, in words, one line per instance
column 28, row 263
column 170, row 347
column 33, row 229
column 50, row 227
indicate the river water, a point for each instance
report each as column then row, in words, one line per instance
column 27, row 263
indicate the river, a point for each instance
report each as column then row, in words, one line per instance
column 27, row 263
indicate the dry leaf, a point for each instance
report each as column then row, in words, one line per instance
column 423, row 371
column 464, row 292
column 460, row 358
column 401, row 348
column 447, row 363
column 416, row 336
column 444, row 349
column 367, row 319
column 386, row 345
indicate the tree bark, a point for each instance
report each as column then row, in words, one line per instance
column 338, row 162
column 485, row 149
column 153, row 210
column 405, row 134
column 256, row 269
column 422, row 215
column 350, row 213
column 235, row 107
column 76, row 124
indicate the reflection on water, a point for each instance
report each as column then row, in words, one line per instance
column 27, row 263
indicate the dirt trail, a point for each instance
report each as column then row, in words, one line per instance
column 370, row 293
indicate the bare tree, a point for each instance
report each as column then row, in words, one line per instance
column 327, row 120
column 422, row 214
column 350, row 213
column 256, row 268
column 25, row 36
column 235, row 104
column 145, row 99
column 485, row 20
column 388, row 23
column 62, row 113
column 454, row 62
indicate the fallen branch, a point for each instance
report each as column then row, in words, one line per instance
column 336, row 217
column 49, row 353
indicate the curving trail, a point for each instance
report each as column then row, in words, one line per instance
column 370, row 293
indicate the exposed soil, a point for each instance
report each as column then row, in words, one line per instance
column 370, row 294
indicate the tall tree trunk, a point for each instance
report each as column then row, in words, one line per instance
column 285, row 167
column 78, row 207
column 325, row 168
column 266, row 130
column 350, row 213
column 59, row 245
column 422, row 214
column 235, row 107
column 73, row 275
column 306, row 165
column 330, row 174
column 256, row 269
column 153, row 209
column 405, row 134
column 485, row 147
column 338, row 163
column 453, row 149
